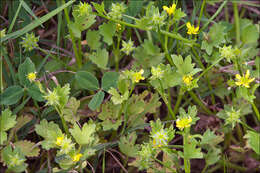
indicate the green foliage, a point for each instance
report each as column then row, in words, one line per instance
column 96, row 100
column 93, row 39
column 100, row 58
column 7, row 121
column 86, row 80
column 14, row 159
column 109, row 80
column 27, row 148
column 110, row 116
column 127, row 145
column 107, row 30
column 253, row 141
column 50, row 132
column 11, row 95
column 86, row 135
column 148, row 55
column 70, row 110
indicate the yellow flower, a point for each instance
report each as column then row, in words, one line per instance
column 192, row 29
column 31, row 76
column 187, row 79
column 76, row 157
column 59, row 140
column 170, row 10
column 137, row 76
column 244, row 80
column 160, row 138
column 184, row 122
column 157, row 72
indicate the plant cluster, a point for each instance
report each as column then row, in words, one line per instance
column 140, row 85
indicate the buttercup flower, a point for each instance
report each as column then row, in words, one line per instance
column 244, row 80
column 183, row 122
column 192, row 29
column 83, row 9
column 66, row 145
column 59, row 140
column 157, row 72
column 170, row 10
column 76, row 157
column 15, row 160
column 228, row 52
column 187, row 79
column 31, row 76
column 128, row 47
column 52, row 98
column 2, row 33
column 29, row 42
column 137, row 76
column 160, row 138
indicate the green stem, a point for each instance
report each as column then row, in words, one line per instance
column 172, row 170
column 256, row 110
column 212, row 65
column 178, row 102
column 64, row 124
column 215, row 15
column 78, row 58
column 172, row 35
column 236, row 22
column 186, row 160
column 201, row 11
column 197, row 100
column 166, row 101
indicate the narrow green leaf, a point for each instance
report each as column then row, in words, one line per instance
column 36, row 23
column 23, row 70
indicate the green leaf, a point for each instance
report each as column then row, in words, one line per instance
column 210, row 138
column 213, row 156
column 249, row 31
column 49, row 131
column 10, row 155
column 93, row 39
column 109, row 80
column 179, row 14
column 100, row 8
column 253, row 141
column 127, row 145
column 148, row 55
column 96, row 101
column 110, row 116
column 7, row 120
column 116, row 97
column 11, row 95
column 28, row 148
column 36, row 23
column 86, row 80
column 191, row 152
column 207, row 47
column 24, row 69
column 70, row 110
column 35, row 93
column 86, row 135
column 107, row 30
column 217, row 34
column 63, row 93
column 100, row 58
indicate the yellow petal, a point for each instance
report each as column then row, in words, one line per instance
column 247, row 74
column 238, row 76
column 251, row 80
column 188, row 25
column 238, row 83
column 196, row 29
column 165, row 8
